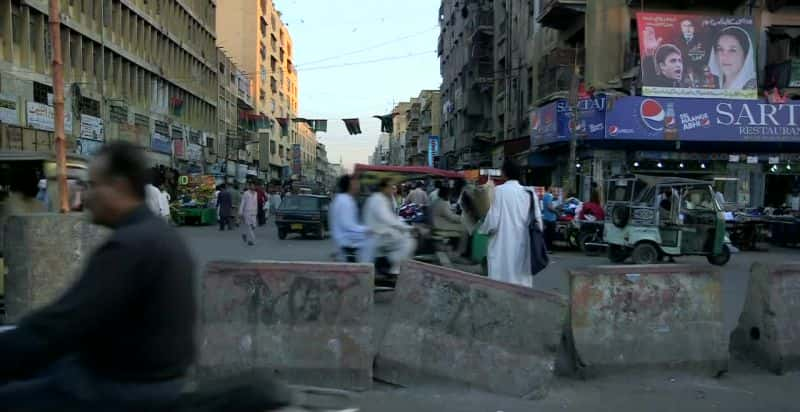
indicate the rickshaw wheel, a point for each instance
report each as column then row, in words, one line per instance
column 645, row 254
column 721, row 259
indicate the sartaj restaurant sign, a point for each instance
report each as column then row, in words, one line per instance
column 702, row 120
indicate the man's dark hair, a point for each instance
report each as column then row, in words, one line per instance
column 511, row 171
column 126, row 161
column 223, row 186
column 444, row 193
column 664, row 51
column 344, row 184
column 24, row 181
column 438, row 184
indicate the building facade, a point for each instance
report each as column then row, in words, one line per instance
column 237, row 152
column 382, row 150
column 254, row 35
column 140, row 71
column 745, row 143
column 307, row 139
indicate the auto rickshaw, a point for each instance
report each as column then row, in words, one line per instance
column 657, row 217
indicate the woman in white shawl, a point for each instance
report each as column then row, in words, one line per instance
column 733, row 59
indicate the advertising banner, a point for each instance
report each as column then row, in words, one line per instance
column 161, row 144
column 554, row 122
column 179, row 148
column 87, row 147
column 194, row 152
column 92, row 128
column 433, row 149
column 297, row 160
column 8, row 109
column 730, row 120
column 41, row 116
column 686, row 55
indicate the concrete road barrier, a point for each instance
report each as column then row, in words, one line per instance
column 309, row 322
column 639, row 317
column 44, row 254
column 769, row 327
column 453, row 326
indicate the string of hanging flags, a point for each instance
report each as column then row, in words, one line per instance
column 353, row 125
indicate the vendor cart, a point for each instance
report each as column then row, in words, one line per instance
column 193, row 205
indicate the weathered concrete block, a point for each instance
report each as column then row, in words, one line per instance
column 44, row 254
column 648, row 316
column 769, row 327
column 308, row 322
column 453, row 326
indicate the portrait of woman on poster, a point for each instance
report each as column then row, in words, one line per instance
column 732, row 61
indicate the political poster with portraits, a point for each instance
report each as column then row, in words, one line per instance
column 685, row 55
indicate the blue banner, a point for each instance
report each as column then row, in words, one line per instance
column 643, row 118
column 555, row 122
column 161, row 144
column 433, row 149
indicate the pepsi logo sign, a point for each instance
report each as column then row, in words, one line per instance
column 613, row 130
column 652, row 114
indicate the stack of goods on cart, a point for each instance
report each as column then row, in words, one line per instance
column 196, row 190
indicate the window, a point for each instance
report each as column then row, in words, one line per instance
column 222, row 68
column 272, row 147
column 16, row 21
column 263, row 27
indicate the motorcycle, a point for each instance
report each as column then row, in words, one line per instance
column 590, row 237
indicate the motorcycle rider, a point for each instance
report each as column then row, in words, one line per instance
column 391, row 235
column 346, row 230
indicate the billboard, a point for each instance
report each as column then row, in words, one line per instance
column 719, row 120
column 554, row 122
column 684, row 55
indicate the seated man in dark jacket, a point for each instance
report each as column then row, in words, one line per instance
column 125, row 330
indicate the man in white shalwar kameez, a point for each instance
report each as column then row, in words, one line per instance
column 391, row 235
column 506, row 223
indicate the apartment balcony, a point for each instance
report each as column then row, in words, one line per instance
column 480, row 21
column 560, row 14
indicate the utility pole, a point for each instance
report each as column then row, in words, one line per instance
column 569, row 188
column 58, row 105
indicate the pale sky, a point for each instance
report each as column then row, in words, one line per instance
column 403, row 34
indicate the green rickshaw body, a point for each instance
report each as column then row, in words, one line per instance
column 657, row 217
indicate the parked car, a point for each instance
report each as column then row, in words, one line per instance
column 303, row 214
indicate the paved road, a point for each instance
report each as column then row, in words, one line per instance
column 208, row 243
column 745, row 388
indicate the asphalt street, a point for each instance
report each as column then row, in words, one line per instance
column 745, row 388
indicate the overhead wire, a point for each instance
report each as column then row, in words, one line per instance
column 383, row 59
column 373, row 47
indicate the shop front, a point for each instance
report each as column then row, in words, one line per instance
column 750, row 149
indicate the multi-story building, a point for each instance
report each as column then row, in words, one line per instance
column 237, row 142
column 382, row 150
column 466, row 53
column 307, row 139
column 484, row 50
column 427, row 135
column 136, row 70
column 397, row 142
column 254, row 35
column 719, row 130
column 323, row 179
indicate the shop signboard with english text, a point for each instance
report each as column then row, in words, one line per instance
column 554, row 122
column 433, row 149
column 685, row 55
column 644, row 118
